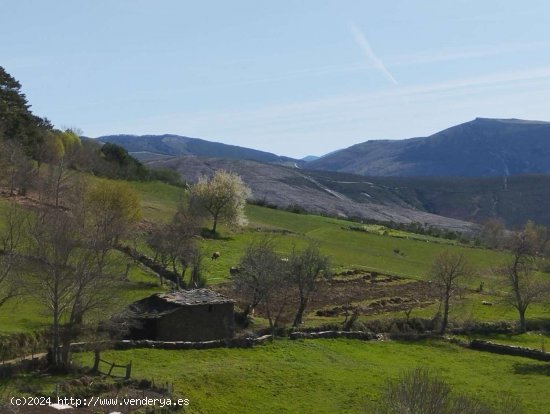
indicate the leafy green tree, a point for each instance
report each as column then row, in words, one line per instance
column 127, row 166
column 16, row 120
column 62, row 149
column 112, row 209
column 222, row 197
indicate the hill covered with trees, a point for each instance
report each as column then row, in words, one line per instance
column 149, row 147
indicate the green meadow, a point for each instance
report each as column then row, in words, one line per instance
column 329, row 376
column 318, row 376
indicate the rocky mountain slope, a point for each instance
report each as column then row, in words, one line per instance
column 290, row 187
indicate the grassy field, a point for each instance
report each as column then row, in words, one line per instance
column 321, row 376
column 347, row 249
column 329, row 376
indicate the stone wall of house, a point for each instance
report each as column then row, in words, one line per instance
column 197, row 323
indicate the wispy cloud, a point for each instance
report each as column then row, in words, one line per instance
column 472, row 52
column 363, row 43
column 324, row 109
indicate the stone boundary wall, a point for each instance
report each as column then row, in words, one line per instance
column 366, row 336
column 128, row 344
column 509, row 350
column 150, row 263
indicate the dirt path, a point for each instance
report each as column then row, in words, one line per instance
column 25, row 358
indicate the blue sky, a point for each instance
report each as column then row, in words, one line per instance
column 290, row 77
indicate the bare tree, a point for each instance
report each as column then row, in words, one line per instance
column 11, row 238
column 71, row 273
column 158, row 242
column 262, row 279
column 55, row 246
column 448, row 269
column 197, row 279
column 183, row 232
column 17, row 169
column 175, row 243
column 518, row 275
column 306, row 269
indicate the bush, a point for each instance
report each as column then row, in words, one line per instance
column 295, row 208
column 420, row 391
column 399, row 325
column 167, row 176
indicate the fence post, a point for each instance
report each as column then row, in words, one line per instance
column 129, row 370
column 96, row 360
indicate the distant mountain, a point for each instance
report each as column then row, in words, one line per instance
column 482, row 147
column 310, row 158
column 152, row 147
column 307, row 190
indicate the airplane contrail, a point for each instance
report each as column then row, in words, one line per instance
column 363, row 43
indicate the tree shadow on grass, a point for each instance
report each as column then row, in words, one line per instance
column 530, row 369
column 538, row 324
column 207, row 234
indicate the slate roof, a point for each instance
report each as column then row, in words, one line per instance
column 161, row 304
column 194, row 297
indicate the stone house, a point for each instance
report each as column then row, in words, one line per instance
column 187, row 315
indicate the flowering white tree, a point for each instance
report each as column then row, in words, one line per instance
column 223, row 197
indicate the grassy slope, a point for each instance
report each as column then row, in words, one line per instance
column 329, row 376
column 348, row 249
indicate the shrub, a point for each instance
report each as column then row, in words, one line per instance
column 420, row 391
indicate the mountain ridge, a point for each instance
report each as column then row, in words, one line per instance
column 178, row 145
column 482, row 147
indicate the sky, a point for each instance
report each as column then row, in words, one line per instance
column 290, row 77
